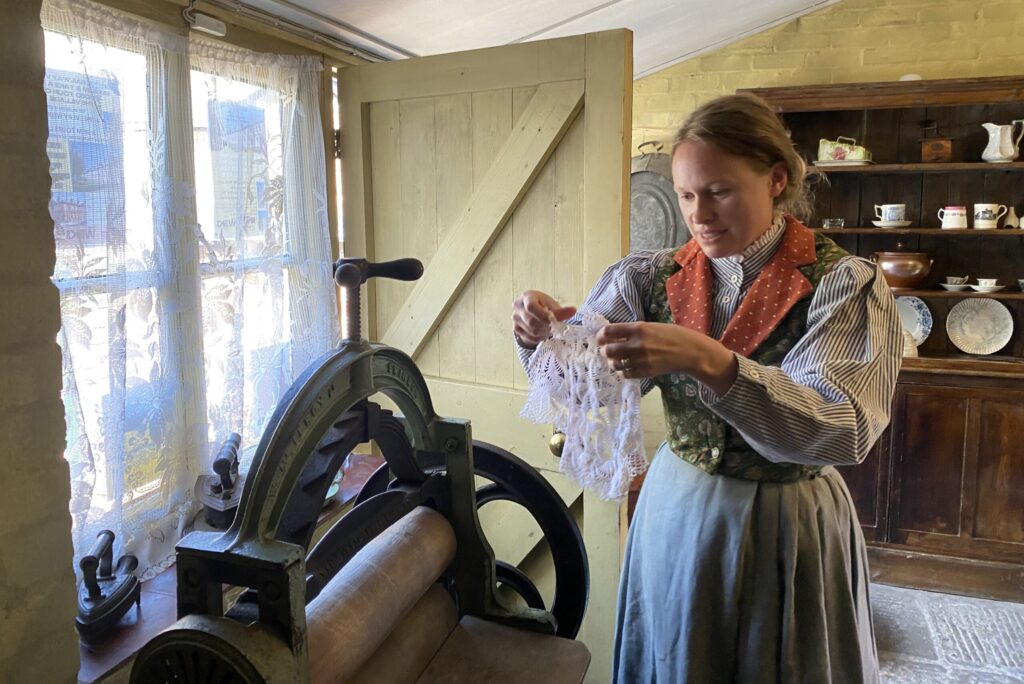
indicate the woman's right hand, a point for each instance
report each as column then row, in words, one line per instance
column 531, row 317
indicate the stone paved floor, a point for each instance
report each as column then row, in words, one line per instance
column 927, row 637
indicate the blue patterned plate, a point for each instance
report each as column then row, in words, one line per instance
column 916, row 317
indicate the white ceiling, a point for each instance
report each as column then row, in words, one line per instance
column 664, row 31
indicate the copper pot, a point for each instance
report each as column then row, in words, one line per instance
column 903, row 270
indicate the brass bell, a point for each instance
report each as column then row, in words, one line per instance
column 557, row 443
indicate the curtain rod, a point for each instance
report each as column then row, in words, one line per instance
column 297, row 29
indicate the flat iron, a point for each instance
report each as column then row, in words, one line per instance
column 106, row 592
column 220, row 492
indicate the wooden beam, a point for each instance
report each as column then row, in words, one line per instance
column 606, row 217
column 521, row 158
column 507, row 66
column 892, row 94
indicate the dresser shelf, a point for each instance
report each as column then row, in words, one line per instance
column 943, row 232
column 933, row 167
column 966, row 365
column 945, row 294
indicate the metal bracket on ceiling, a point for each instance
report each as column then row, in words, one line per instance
column 204, row 23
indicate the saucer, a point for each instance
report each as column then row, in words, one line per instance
column 987, row 288
column 891, row 224
column 954, row 288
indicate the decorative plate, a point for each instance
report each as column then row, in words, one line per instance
column 891, row 224
column 655, row 221
column 916, row 317
column 842, row 162
column 979, row 326
column 987, row 288
column 955, row 288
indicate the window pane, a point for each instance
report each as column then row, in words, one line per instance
column 239, row 157
column 99, row 158
column 116, row 405
column 115, row 402
column 246, row 337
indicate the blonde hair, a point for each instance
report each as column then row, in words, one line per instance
column 745, row 126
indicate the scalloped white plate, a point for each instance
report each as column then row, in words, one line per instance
column 955, row 288
column 916, row 317
column 988, row 288
column 979, row 326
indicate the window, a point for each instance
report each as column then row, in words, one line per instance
column 193, row 259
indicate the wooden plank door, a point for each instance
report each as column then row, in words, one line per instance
column 502, row 169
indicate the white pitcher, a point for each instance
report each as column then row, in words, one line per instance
column 1002, row 145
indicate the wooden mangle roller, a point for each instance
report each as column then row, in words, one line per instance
column 404, row 587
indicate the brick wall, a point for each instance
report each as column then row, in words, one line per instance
column 37, row 595
column 849, row 42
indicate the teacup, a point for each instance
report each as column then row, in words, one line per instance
column 988, row 215
column 953, row 217
column 956, row 280
column 988, row 282
column 890, row 212
column 1020, row 283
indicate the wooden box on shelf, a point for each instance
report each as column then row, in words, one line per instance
column 936, row 150
column 936, row 496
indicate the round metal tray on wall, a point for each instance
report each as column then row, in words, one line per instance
column 655, row 221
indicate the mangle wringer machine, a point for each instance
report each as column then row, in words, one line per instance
column 403, row 588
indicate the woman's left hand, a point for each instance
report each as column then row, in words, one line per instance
column 643, row 350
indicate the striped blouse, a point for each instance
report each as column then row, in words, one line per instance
column 830, row 399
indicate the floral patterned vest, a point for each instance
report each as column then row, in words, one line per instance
column 695, row 433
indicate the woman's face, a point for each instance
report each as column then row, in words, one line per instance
column 726, row 202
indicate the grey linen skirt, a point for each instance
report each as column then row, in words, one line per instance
column 728, row 580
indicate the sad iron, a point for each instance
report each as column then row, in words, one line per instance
column 106, row 593
column 219, row 493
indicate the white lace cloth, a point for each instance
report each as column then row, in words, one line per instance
column 572, row 387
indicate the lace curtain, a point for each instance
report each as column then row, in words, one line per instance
column 263, row 237
column 193, row 259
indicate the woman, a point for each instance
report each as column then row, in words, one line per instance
column 776, row 354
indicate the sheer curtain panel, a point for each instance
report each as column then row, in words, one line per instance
column 265, row 263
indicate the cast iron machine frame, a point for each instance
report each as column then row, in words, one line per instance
column 429, row 461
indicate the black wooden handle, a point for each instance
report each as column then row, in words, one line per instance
column 399, row 269
column 354, row 272
column 96, row 564
column 226, row 463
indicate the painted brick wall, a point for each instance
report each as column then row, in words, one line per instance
column 849, row 42
column 37, row 595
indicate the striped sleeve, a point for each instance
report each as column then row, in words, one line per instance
column 620, row 294
column 830, row 400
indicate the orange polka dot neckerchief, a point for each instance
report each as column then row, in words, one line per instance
column 778, row 287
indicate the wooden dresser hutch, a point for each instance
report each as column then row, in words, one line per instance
column 941, row 497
